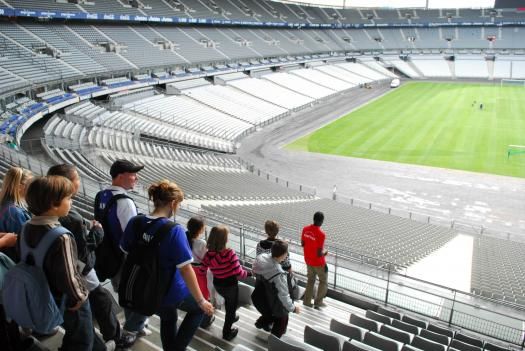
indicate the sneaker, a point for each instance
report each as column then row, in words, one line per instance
column 236, row 319
column 110, row 345
column 231, row 334
column 320, row 305
column 144, row 332
column 126, row 340
column 208, row 323
column 261, row 325
column 307, row 304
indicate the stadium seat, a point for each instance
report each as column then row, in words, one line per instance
column 406, row 327
column 396, row 334
column 440, row 338
column 440, row 330
column 469, row 340
column 491, row 347
column 389, row 313
column 355, row 345
column 288, row 343
column 378, row 317
column 427, row 345
column 364, row 322
column 463, row 346
column 353, row 332
column 382, row 342
column 324, row 339
column 414, row 321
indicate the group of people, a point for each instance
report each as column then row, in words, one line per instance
column 196, row 270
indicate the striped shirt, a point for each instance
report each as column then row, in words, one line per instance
column 223, row 264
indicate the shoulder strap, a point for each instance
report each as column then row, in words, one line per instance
column 40, row 251
column 113, row 200
column 273, row 276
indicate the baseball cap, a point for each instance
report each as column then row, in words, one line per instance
column 124, row 166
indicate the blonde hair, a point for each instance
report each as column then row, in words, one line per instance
column 164, row 192
column 14, row 178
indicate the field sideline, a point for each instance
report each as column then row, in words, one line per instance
column 432, row 124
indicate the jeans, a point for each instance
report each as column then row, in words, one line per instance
column 135, row 322
column 231, row 299
column 173, row 339
column 79, row 333
column 102, row 309
column 312, row 273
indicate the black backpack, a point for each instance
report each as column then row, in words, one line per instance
column 265, row 298
column 143, row 283
column 109, row 257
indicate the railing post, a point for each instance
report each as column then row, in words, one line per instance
column 335, row 268
column 452, row 309
column 387, row 286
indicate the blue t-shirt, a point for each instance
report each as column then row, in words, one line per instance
column 174, row 253
column 12, row 218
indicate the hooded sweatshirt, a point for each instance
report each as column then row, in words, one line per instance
column 268, row 267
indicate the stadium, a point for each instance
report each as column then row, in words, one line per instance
column 264, row 109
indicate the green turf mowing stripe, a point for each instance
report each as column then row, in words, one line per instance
column 433, row 124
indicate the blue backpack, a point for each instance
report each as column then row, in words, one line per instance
column 26, row 295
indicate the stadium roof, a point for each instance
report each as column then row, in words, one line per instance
column 398, row 3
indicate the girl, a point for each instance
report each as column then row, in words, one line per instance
column 224, row 265
column 13, row 212
column 195, row 230
column 175, row 257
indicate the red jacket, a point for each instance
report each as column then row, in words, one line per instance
column 312, row 240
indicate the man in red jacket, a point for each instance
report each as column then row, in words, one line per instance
column 312, row 240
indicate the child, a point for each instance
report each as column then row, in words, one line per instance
column 49, row 198
column 268, row 266
column 224, row 265
column 174, row 257
column 195, row 229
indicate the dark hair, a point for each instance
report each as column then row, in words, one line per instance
column 279, row 248
column 318, row 218
column 64, row 170
column 271, row 228
column 46, row 192
column 218, row 238
column 163, row 192
column 194, row 225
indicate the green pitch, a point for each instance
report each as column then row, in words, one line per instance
column 432, row 124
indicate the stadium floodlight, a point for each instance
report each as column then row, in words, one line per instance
column 513, row 82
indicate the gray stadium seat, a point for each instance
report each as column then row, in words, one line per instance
column 353, row 332
column 469, row 340
column 414, row 321
column 410, row 348
column 324, row 339
column 406, row 327
column 440, row 330
column 381, row 318
column 288, row 343
column 355, row 345
column 491, row 347
column 382, row 342
column 364, row 322
column 463, row 346
column 396, row 334
column 427, row 345
column 430, row 335
column 389, row 313
column 245, row 294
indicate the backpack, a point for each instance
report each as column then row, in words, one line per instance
column 109, row 257
column 265, row 298
column 143, row 283
column 26, row 294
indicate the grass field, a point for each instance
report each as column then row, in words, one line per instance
column 432, row 124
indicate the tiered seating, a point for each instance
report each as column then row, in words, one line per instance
column 498, row 271
column 341, row 73
column 187, row 113
column 362, row 70
column 273, row 93
column 236, row 103
column 502, row 68
column 378, row 67
column 403, row 67
column 518, row 69
column 471, row 67
column 203, row 182
column 323, row 79
column 354, row 229
column 432, row 66
column 299, row 85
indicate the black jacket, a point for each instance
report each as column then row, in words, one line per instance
column 86, row 240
